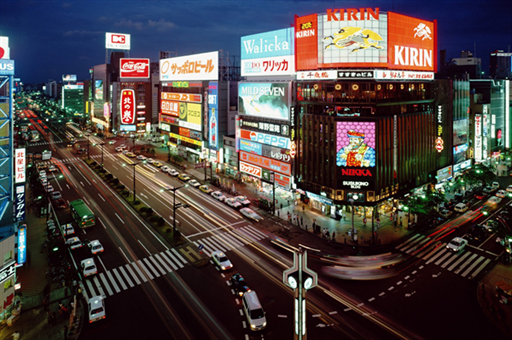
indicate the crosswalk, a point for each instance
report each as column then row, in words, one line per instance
column 464, row 263
column 136, row 273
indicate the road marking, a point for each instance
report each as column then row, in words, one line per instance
column 391, row 288
column 213, row 245
column 98, row 285
column 316, row 315
column 158, row 266
column 113, row 282
column 437, row 255
column 468, row 261
column 148, row 273
column 470, row 268
column 163, row 263
column 120, row 218
column 442, row 259
column 333, row 312
column 101, row 197
column 482, row 266
column 174, row 258
column 381, row 294
column 282, row 316
column 105, row 283
column 241, row 312
column 215, row 240
column 459, row 260
column 169, row 261
column 137, row 281
column 371, row 299
column 151, row 267
column 119, row 279
column 399, row 283
column 126, row 276
column 179, row 256
column 146, row 249
column 134, row 265
column 91, row 288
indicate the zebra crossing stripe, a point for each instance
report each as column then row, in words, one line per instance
column 256, row 231
column 442, row 258
column 138, row 271
column 133, row 274
column 206, row 251
column 412, row 244
column 462, row 266
column 209, row 241
column 84, row 292
column 169, row 261
column 466, row 254
column 241, row 240
column 98, row 285
column 252, row 233
column 113, row 282
column 218, row 241
column 436, row 249
column 439, row 253
column 158, row 265
column 470, row 268
column 244, row 234
column 482, row 266
column 91, row 288
column 150, row 266
column 121, row 269
column 207, row 246
column 449, row 261
column 163, row 263
column 232, row 239
column 406, row 242
column 148, row 273
column 418, row 245
column 119, row 279
column 177, row 255
column 105, row 283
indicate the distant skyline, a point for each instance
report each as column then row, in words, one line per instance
column 50, row 38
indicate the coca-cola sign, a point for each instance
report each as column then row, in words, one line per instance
column 127, row 105
column 134, row 68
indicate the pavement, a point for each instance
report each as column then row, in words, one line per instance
column 292, row 223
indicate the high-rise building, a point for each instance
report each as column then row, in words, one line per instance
column 501, row 65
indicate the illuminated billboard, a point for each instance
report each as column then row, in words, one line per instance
column 127, row 106
column 185, row 106
column 204, row 66
column 69, row 77
column 355, row 144
column 20, row 165
column 6, row 67
column 269, row 53
column 267, row 163
column 134, row 68
column 5, row 52
column 213, row 115
column 364, row 37
column 277, row 141
column 269, row 100
column 117, row 41
column 98, row 89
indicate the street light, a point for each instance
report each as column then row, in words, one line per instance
column 48, row 194
column 273, row 174
column 174, row 205
column 352, row 200
column 88, row 143
column 134, row 165
column 101, row 145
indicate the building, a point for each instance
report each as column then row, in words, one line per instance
column 501, row 65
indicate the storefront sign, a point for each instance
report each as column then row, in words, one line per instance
column 168, row 119
column 213, row 112
column 268, row 100
column 22, row 244
column 356, row 74
column 204, row 66
column 250, row 147
column 265, row 127
column 356, row 184
column 485, row 128
column 184, row 132
column 182, row 97
column 6, row 67
column 319, row 198
column 316, row 75
column 7, row 271
column 439, row 140
column 169, row 107
column 462, row 166
column 278, row 179
column 165, row 127
column 478, row 137
column 444, row 174
column 280, row 142
column 20, row 203
column 403, row 75
column 127, row 106
column 186, row 139
column 250, row 169
column 266, row 163
column 276, row 153
column 127, row 128
column 20, row 165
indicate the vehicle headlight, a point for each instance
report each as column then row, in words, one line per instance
column 253, row 326
column 222, row 267
column 265, row 324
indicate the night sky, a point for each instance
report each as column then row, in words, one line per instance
column 51, row 38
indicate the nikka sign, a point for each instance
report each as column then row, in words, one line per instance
column 127, row 106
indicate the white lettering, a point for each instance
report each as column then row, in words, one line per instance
column 412, row 56
column 306, row 33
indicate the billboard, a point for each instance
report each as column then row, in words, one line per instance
column 6, row 67
column 69, row 77
column 19, row 165
column 277, row 141
column 134, row 68
column 204, row 66
column 185, row 106
column 265, row 150
column 117, row 41
column 250, row 169
column 127, row 106
column 279, row 128
column 213, row 118
column 98, row 89
column 269, row 53
column 20, row 203
column 5, row 52
column 266, row 163
column 355, row 144
column 269, row 100
column 22, row 244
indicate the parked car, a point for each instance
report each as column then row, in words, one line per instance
column 61, row 204
column 165, row 168
column 119, row 149
column 218, row 195
column 233, row 203
column 56, row 195
column 206, row 189
column 130, row 154
column 490, row 189
column 494, row 200
column 249, row 213
column 112, row 142
column 89, row 267
column 67, row 229
column 173, row 172
column 502, row 193
column 48, row 188
column 445, row 213
column 194, row 183
column 157, row 164
column 150, row 160
column 141, row 157
column 243, row 201
column 457, row 244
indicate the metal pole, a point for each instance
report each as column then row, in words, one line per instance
column 352, row 219
column 48, row 199
column 134, row 182
column 174, row 211
column 274, row 192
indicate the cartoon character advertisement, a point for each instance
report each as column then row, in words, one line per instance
column 355, row 144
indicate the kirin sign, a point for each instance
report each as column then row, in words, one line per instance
column 127, row 106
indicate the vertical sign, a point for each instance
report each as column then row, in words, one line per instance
column 127, row 106
column 213, row 119
column 485, row 123
column 20, row 164
column 22, row 244
column 395, row 146
column 478, row 138
column 20, row 203
column 439, row 139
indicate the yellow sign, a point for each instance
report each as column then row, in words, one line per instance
column 186, row 139
column 193, row 113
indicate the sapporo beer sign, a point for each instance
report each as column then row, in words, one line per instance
column 127, row 106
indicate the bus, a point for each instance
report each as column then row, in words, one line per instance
column 81, row 213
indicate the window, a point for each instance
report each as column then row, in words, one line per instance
column 8, row 284
column 8, row 256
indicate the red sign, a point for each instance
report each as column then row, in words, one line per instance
column 134, row 68
column 182, row 97
column 306, row 42
column 170, row 107
column 267, row 163
column 250, row 169
column 118, row 38
column 184, row 132
column 127, row 106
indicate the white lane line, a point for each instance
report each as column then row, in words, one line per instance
column 246, row 234
column 438, row 262
column 169, row 261
column 126, row 276
column 241, row 312
column 119, row 218
column 333, row 312
column 437, row 255
column 113, row 282
column 105, row 283
column 466, row 254
column 134, row 265
column 101, row 197
column 479, row 269
column 150, row 266
column 282, row 316
column 241, row 241
column 467, row 262
column 219, row 243
column 381, row 294
column 371, row 299
column 470, row 268
column 178, row 256
column 128, row 268
column 212, row 245
column 256, row 231
column 119, row 279
column 399, row 283
column 146, row 249
column 391, row 288
column 316, row 315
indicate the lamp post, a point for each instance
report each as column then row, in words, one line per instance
column 352, row 200
column 88, row 143
column 101, row 145
column 273, row 177
column 134, row 165
column 174, row 205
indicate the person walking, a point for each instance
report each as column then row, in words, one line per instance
column 334, row 236
column 16, row 335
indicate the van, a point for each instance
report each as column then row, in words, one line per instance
column 253, row 311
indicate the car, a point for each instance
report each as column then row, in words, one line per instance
column 119, row 149
column 218, row 195
column 124, row 152
column 495, row 185
column 457, row 244
column 502, row 193
column 221, row 260
column 173, row 172
column 41, row 166
column 150, row 139
column 509, row 188
column 494, row 200
column 44, row 182
column 67, row 229
column 445, row 213
column 249, row 213
column 239, row 284
column 461, row 207
column 130, row 154
column 56, row 195
column 42, row 173
column 96, row 307
column 233, row 203
column 458, row 198
column 489, row 189
column 489, row 225
column 48, row 188
column 89, row 267
column 165, row 168
column 95, row 247
column 243, row 201
column 194, row 183
column 74, row 243
column 150, row 160
column 61, row 204
column 53, row 168
column 253, row 311
column 157, row 164
column 184, row 177
column 206, row 189
column 476, row 233
column 141, row 157
column 112, row 142
column 480, row 195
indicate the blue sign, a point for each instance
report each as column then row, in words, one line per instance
column 127, row 128
column 213, row 118
column 269, row 44
column 6, row 67
column 251, row 147
column 200, row 247
column 22, row 244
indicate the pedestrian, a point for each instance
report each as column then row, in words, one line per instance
column 303, row 207
column 344, row 216
column 278, row 213
column 334, row 236
column 65, row 332
column 345, row 240
column 400, row 221
column 364, row 221
column 306, row 227
column 281, row 205
column 16, row 335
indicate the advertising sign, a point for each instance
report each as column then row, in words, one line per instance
column 355, row 144
column 134, row 68
column 117, row 41
column 182, row 97
column 169, row 107
column 19, row 166
column 478, row 137
column 266, row 126
column 270, row 100
column 266, row 163
column 20, row 203
column 316, row 75
column 22, row 244
column 411, row 43
column 127, row 128
column 127, row 106
column 403, row 75
column 306, row 42
column 444, row 174
column 7, row 271
column 280, row 142
column 250, row 147
column 213, row 112
column 190, row 116
column 5, row 52
column 69, row 77
column 269, row 53
column 98, row 89
column 6, row 67
column 250, row 169
column 204, row 66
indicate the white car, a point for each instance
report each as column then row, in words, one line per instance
column 49, row 188
column 194, row 183
column 165, row 169
column 243, row 201
column 173, row 172
column 67, row 229
column 95, row 247
column 141, row 158
column 96, row 307
column 221, row 260
column 457, row 244
column 461, row 207
column 218, row 195
column 150, row 160
column 119, row 148
column 88, row 267
column 509, row 188
column 53, row 168
column 56, row 195
column 233, row 203
column 74, row 243
column 494, row 200
column 249, row 213
column 501, row 193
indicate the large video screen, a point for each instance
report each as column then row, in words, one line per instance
column 269, row 100
column 355, row 144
